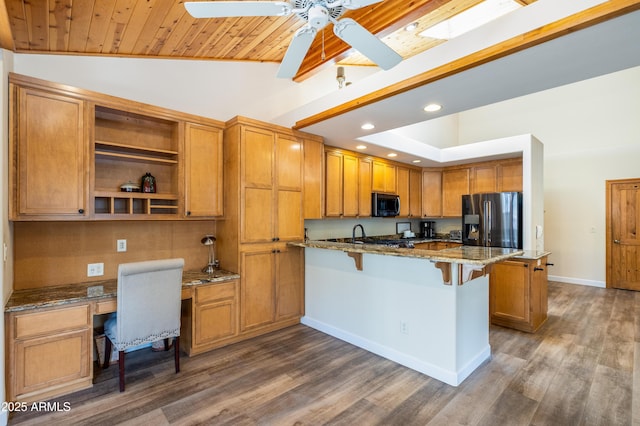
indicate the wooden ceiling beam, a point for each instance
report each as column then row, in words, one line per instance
column 584, row 19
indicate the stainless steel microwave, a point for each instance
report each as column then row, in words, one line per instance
column 385, row 205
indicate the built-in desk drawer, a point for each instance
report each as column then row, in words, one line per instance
column 106, row 306
column 35, row 323
column 206, row 293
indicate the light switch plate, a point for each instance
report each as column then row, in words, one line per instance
column 121, row 245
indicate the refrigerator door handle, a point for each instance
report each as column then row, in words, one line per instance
column 486, row 225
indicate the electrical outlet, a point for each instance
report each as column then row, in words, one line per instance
column 121, row 245
column 95, row 269
column 404, row 327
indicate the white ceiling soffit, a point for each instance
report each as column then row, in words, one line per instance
column 601, row 49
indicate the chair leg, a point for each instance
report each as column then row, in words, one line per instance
column 121, row 365
column 176, row 348
column 107, row 352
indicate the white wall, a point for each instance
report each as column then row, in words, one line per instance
column 591, row 133
column 215, row 89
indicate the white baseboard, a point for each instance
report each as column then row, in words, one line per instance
column 580, row 281
column 453, row 378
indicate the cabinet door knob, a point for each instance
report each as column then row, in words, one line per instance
column 549, row 264
column 81, row 211
column 538, row 269
column 188, row 213
column 616, row 241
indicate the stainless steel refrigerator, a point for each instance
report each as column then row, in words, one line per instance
column 492, row 219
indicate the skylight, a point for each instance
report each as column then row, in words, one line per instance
column 470, row 19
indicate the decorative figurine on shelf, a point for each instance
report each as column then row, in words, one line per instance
column 148, row 183
column 210, row 241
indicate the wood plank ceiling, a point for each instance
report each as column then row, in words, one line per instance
column 163, row 29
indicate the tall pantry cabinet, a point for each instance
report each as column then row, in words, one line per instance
column 263, row 166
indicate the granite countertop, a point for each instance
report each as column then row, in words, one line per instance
column 95, row 290
column 533, row 254
column 469, row 255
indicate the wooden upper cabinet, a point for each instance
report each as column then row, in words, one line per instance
column 289, row 168
column 271, row 186
column 431, row 193
column 365, row 167
column 73, row 149
column 402, row 181
column 484, row 179
column 313, row 167
column 510, row 176
column 257, row 176
column 348, row 185
column 455, row 184
column 409, row 188
column 415, row 193
column 203, row 167
column 48, row 150
column 384, row 177
column 333, row 187
column 497, row 176
column 289, row 162
column 350, row 177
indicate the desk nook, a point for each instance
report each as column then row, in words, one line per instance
column 50, row 331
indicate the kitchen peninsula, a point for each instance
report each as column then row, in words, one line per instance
column 425, row 309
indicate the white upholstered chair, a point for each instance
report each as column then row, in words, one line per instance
column 148, row 308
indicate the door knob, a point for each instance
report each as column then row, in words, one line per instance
column 616, row 241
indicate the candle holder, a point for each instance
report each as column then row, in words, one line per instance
column 210, row 242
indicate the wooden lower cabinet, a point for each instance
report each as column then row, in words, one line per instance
column 49, row 352
column 518, row 294
column 210, row 317
column 271, row 286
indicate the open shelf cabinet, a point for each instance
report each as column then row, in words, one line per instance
column 127, row 146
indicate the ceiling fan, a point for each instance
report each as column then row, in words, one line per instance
column 318, row 14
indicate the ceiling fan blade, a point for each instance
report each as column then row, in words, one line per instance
column 228, row 9
column 366, row 43
column 296, row 52
column 357, row 4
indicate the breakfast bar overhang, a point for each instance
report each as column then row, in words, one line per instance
column 427, row 310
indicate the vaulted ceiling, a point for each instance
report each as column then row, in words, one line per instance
column 163, row 28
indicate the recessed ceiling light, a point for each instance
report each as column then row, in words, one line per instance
column 433, row 108
column 416, row 161
column 367, row 126
column 411, row 27
column 392, row 154
column 361, row 147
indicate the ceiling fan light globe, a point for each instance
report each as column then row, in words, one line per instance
column 318, row 16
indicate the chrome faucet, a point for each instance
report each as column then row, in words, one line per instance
column 353, row 235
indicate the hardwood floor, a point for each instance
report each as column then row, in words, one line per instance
column 581, row 368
